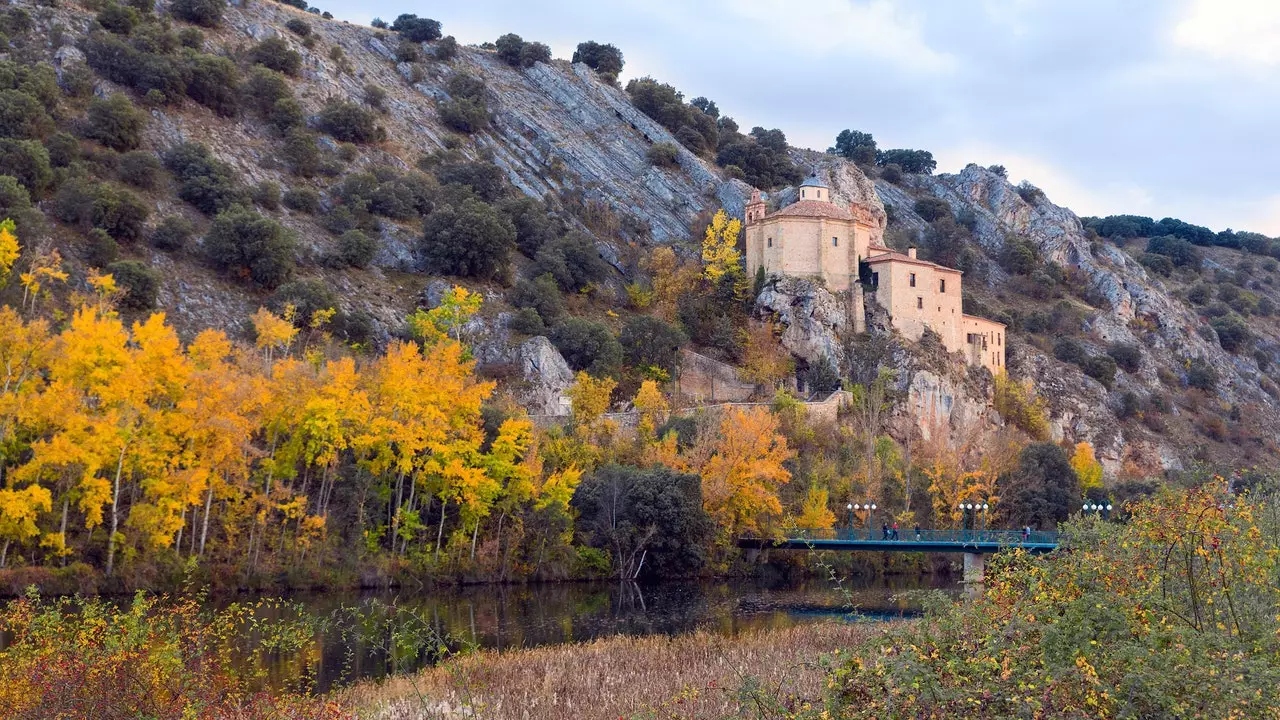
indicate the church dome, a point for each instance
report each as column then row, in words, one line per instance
column 814, row 182
column 814, row 189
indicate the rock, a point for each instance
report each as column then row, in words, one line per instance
column 546, row 378
column 433, row 294
column 815, row 320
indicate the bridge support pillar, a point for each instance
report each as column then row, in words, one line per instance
column 753, row 556
column 975, row 565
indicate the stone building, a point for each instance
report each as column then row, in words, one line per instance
column 814, row 237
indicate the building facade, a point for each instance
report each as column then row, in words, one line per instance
column 814, row 237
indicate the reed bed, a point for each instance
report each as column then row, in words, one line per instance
column 700, row 675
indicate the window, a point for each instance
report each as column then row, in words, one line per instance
column 999, row 339
column 919, row 303
column 802, row 193
column 913, row 279
column 835, row 242
column 942, row 285
column 875, row 279
column 770, row 242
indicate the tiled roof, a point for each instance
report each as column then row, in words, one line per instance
column 814, row 208
column 813, row 181
column 899, row 257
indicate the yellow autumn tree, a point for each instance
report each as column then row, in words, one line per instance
column 764, row 360
column 9, row 249
column 742, row 469
column 447, row 319
column 815, row 514
column 1018, row 404
column 589, row 398
column 720, row 256
column 1087, row 467
column 652, row 407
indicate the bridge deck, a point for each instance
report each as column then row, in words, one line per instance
column 935, row 541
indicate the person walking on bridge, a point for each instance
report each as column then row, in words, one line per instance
column 895, row 531
column 917, row 532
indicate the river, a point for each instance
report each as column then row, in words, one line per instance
column 365, row 636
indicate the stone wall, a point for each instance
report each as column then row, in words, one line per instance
column 706, row 380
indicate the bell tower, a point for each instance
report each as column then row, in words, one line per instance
column 755, row 208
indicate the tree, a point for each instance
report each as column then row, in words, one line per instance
column 250, row 246
column 9, row 249
column 115, row 122
column 213, row 82
column 605, row 59
column 587, row 345
column 1086, row 467
column 919, row 162
column 509, row 47
column 1018, row 404
column 858, row 146
column 721, row 260
column 274, row 53
column 471, row 239
column 416, row 29
column 650, row 343
column 816, row 513
column 764, row 360
column 348, row 122
column 1042, row 491
column 138, row 282
column 1233, row 333
column 932, row 208
column 573, row 260
column 22, row 116
column 207, row 13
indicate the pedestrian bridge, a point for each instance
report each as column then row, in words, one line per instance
column 974, row 544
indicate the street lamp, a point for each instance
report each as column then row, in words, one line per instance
column 850, row 508
column 985, row 509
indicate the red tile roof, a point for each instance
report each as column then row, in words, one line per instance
column 899, row 257
column 813, row 209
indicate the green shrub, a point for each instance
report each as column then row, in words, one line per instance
column 213, row 82
column 1233, row 333
column 287, row 114
column 601, row 58
column 274, row 53
column 265, row 88
column 446, row 49
column 356, row 249
column 150, row 71
column 932, row 208
column 528, row 321
column 509, row 47
column 1101, row 368
column 650, row 342
column 375, row 97
column 110, row 208
column 533, row 53
column 541, row 295
column 664, row 154
column 891, row 173
column 115, row 122
column 140, row 169
column 1200, row 294
column 100, row 249
column 250, row 246
column 408, row 51
column 485, row 178
column 349, row 122
column 302, row 199
column 1159, row 264
column 266, row 195
column 416, row 29
column 1181, row 252
column 465, row 116
column 173, row 233
column 28, row 161
column 573, row 260
column 118, row 19
column 191, row 38
column 199, row 12
column 14, row 198
column 208, row 184
column 63, row 148
column 1069, row 351
column 139, row 283
column 533, row 222
column 298, row 27
column 307, row 296
column 22, row 116
column 587, row 345
column 1201, row 375
column 1127, row 357
column 471, row 240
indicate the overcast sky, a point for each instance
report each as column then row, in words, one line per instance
column 1154, row 108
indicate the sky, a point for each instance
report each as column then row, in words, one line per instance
column 1161, row 108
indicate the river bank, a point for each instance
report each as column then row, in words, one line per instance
column 696, row 675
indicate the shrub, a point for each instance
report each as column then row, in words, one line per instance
column 302, row 199
column 528, row 321
column 1201, row 375
column 1101, row 368
column 298, row 27
column 1159, row 264
column 1181, row 252
column 533, row 53
column 416, row 29
column 118, row 19
column 213, row 82
column 573, row 260
column 152, row 72
column 210, row 185
column 375, row 97
column 349, row 122
column 916, row 162
column 932, row 208
column 446, row 49
column 301, row 153
column 266, row 195
column 250, row 246
column 275, row 54
column 472, row 240
column 601, row 58
column 140, row 169
column 1127, row 357
column 1233, row 333
column 663, row 154
column 199, row 12
column 1017, row 403
column 485, row 178
column 307, row 296
column 173, row 233
column 265, row 88
column 22, row 116
column 467, row 116
column 100, row 248
column 649, row 342
column 109, row 208
column 28, row 161
column 891, row 173
column 191, row 38
column 139, row 283
column 1068, row 350
column 408, row 51
column 541, row 295
column 532, row 221
column 63, row 149
column 509, row 47
column 115, row 122
column 356, row 249
column 587, row 345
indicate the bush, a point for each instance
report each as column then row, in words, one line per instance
column 140, row 169
column 265, row 88
column 471, row 240
column 663, row 154
column 1127, row 357
column 416, row 29
column 487, row 179
column 408, row 51
column 916, row 162
column 1181, row 252
column 509, row 47
column 465, row 116
column 650, row 342
column 173, row 233
column 356, row 249
column 191, row 38
column 298, row 27
column 109, row 208
column 213, row 82
column 1101, row 368
column 1069, row 351
column 275, row 54
column 301, row 153
column 533, row 53
column 1201, row 375
column 573, row 260
column 587, row 345
column 932, row 208
column 891, row 173
column 22, row 116
column 541, row 295
column 118, row 19
column 209, row 185
column 199, row 12
column 307, row 296
column 100, row 248
column 1159, row 264
column 63, row 149
column 1017, row 403
column 601, row 58
column 266, row 195
column 28, row 161
column 302, row 199
column 349, row 122
column 152, row 72
column 139, row 283
column 446, row 49
column 532, row 221
column 250, row 246
column 115, row 122
column 1233, row 333
column 527, row 320
column 1200, row 294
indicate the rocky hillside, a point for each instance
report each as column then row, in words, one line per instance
column 572, row 139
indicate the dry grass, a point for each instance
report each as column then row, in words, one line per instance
column 688, row 676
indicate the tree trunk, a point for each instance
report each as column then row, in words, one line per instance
column 204, row 528
column 4, row 554
column 475, row 530
column 62, row 530
column 181, row 527
column 444, row 505
column 115, row 514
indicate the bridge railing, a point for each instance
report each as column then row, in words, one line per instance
column 1011, row 538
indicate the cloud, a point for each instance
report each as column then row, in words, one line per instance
column 821, row 28
column 1245, row 32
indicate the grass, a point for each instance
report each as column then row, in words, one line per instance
column 700, row 675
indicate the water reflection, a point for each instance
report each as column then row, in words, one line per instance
column 516, row 616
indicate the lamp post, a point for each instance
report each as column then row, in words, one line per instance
column 870, row 509
column 985, row 518
column 851, row 525
column 1098, row 509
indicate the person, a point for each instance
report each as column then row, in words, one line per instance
column 917, row 532
column 895, row 530
column 1026, row 533
column 884, row 531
